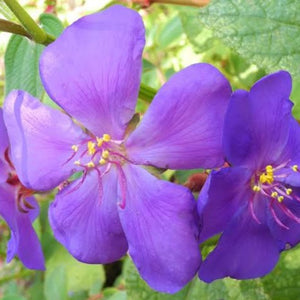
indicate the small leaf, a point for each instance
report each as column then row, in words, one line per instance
column 79, row 276
column 56, row 284
column 51, row 24
column 22, row 60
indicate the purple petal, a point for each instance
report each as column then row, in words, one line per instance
column 221, row 197
column 41, row 140
column 256, row 123
column 24, row 242
column 182, row 128
column 86, row 221
column 161, row 228
column 4, row 168
column 289, row 236
column 3, row 136
column 93, row 69
column 245, row 250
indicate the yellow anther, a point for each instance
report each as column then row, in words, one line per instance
column 266, row 178
column 106, row 137
column 91, row 147
column 105, row 154
column 288, row 191
column 256, row 188
column 90, row 164
column 102, row 161
column 280, row 198
column 295, row 168
column 269, row 169
column 99, row 141
column 274, row 194
column 77, row 162
column 75, row 148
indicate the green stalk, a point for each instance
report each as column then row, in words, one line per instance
column 36, row 32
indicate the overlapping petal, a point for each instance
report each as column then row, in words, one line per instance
column 290, row 236
column 256, row 123
column 221, row 197
column 41, row 140
column 161, row 228
column 183, row 126
column 93, row 69
column 84, row 218
column 24, row 242
column 3, row 136
column 4, row 168
column 245, row 250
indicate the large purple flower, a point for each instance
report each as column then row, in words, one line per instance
column 93, row 72
column 19, row 209
column 255, row 203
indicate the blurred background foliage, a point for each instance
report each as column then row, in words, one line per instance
column 238, row 37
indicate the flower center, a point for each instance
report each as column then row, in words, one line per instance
column 267, row 183
column 99, row 154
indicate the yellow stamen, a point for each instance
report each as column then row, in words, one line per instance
column 90, row 164
column 280, row 198
column 106, row 137
column 91, row 148
column 269, row 169
column 256, row 188
column 266, row 178
column 105, row 154
column 75, row 148
column 99, row 142
column 77, row 162
column 102, row 161
column 295, row 168
column 274, row 194
column 288, row 191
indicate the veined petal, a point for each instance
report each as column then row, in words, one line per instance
column 161, row 228
column 41, row 139
column 257, row 123
column 245, row 250
column 93, row 69
column 23, row 242
column 290, row 236
column 183, row 126
column 85, row 219
column 223, row 194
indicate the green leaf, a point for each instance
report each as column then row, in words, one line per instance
column 22, row 60
column 55, row 284
column 284, row 281
column 51, row 24
column 266, row 33
column 170, row 33
column 79, row 276
column 228, row 289
column 21, row 66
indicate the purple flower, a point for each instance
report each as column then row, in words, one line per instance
column 19, row 209
column 255, row 203
column 93, row 71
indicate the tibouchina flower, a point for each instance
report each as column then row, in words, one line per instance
column 255, row 203
column 93, row 72
column 19, row 209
